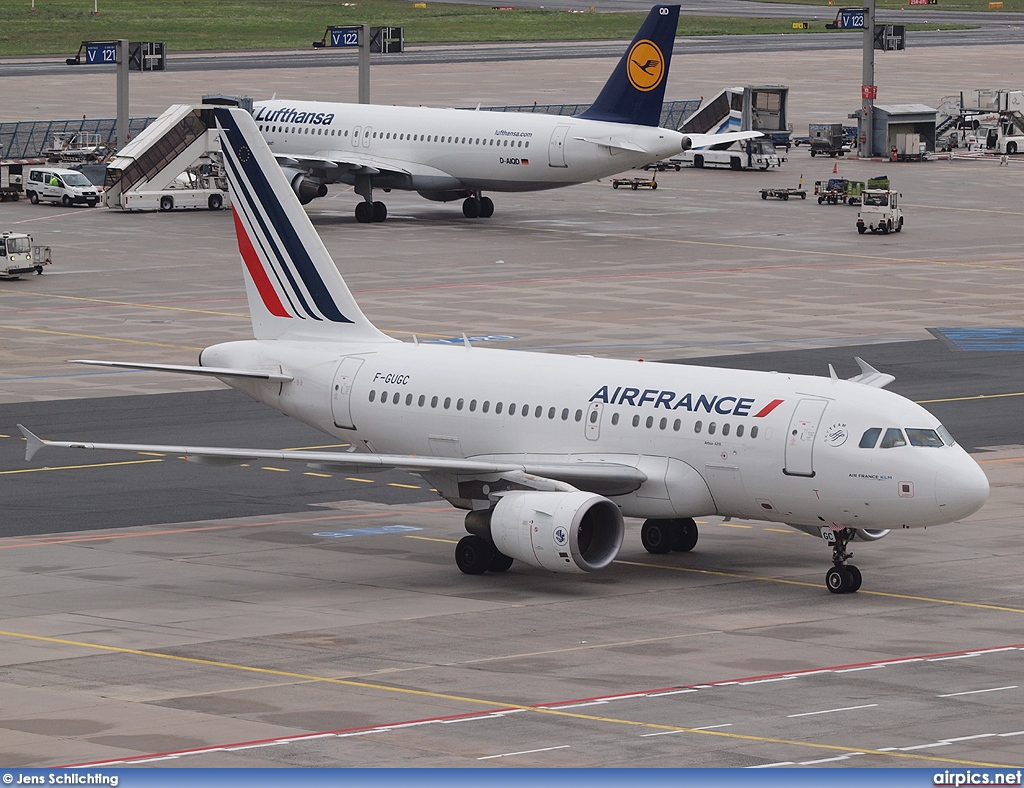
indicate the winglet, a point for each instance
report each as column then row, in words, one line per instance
column 33, row 442
column 870, row 376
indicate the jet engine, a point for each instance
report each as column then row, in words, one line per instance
column 871, row 534
column 305, row 186
column 686, row 144
column 559, row 531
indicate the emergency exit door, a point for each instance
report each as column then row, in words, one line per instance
column 556, row 147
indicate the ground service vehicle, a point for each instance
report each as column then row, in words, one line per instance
column 880, row 212
column 57, row 185
column 18, row 256
column 827, row 139
column 743, row 155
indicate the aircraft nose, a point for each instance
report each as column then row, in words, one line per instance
column 961, row 489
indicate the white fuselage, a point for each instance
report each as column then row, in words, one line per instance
column 439, row 150
column 738, row 443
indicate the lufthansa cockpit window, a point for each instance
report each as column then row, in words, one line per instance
column 870, row 438
column 923, row 437
column 893, row 437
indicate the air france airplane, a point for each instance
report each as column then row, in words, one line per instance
column 450, row 154
column 547, row 453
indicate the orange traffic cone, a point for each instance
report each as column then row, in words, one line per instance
column 835, row 168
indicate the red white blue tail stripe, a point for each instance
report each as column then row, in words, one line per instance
column 291, row 275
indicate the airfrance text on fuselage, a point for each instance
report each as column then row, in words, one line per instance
column 670, row 400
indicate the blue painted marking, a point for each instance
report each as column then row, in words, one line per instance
column 459, row 340
column 373, row 531
column 984, row 339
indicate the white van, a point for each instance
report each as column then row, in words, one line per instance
column 68, row 187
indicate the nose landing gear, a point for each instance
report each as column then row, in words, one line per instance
column 842, row 578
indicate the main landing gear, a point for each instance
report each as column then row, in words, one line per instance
column 842, row 578
column 368, row 211
column 475, row 555
column 477, row 207
column 664, row 536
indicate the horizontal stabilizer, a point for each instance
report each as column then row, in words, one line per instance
column 579, row 474
column 870, row 376
column 215, row 372
column 613, row 143
column 704, row 140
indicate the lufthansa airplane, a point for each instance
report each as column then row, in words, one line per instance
column 547, row 453
column 451, row 154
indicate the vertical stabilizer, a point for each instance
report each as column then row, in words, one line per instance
column 294, row 288
column 636, row 89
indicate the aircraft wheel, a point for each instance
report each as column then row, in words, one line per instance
column 473, row 555
column 499, row 562
column 686, row 535
column 471, row 208
column 380, row 211
column 838, row 580
column 486, row 208
column 364, row 213
column 658, row 536
column 855, row 579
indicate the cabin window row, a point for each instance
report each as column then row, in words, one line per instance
column 459, row 404
column 894, row 437
column 392, row 135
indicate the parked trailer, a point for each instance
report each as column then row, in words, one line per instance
column 12, row 173
column 786, row 193
column 636, row 183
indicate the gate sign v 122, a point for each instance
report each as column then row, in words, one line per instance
column 345, row 36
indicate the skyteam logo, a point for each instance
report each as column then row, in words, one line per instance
column 646, row 66
column 561, row 537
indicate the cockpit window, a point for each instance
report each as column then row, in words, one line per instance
column 923, row 437
column 893, row 437
column 946, row 437
column 870, row 438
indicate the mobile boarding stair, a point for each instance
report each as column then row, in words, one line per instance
column 165, row 149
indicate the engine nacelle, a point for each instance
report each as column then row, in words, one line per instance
column 558, row 531
column 306, row 187
column 871, row 534
column 686, row 144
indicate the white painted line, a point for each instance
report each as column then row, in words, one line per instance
column 955, row 656
column 468, row 719
column 862, row 667
column 923, row 746
column 771, row 765
column 830, row 711
column 975, row 692
column 968, row 738
column 1013, row 733
column 830, row 760
column 523, row 752
column 712, row 727
column 671, row 692
column 766, row 681
column 659, row 733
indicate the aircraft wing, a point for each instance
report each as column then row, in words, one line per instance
column 356, row 160
column 617, row 478
column 704, row 140
column 215, row 372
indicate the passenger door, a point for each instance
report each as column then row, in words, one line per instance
column 556, row 147
column 803, row 428
column 341, row 395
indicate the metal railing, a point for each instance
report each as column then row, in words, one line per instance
column 673, row 113
column 33, row 138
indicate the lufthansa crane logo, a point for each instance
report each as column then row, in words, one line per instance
column 646, row 66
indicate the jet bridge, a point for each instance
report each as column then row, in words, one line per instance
column 142, row 171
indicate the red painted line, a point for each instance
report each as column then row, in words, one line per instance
column 552, row 706
column 255, row 267
column 768, row 408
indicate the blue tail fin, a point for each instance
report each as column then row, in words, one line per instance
column 636, row 89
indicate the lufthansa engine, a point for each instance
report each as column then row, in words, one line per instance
column 306, row 187
column 558, row 531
